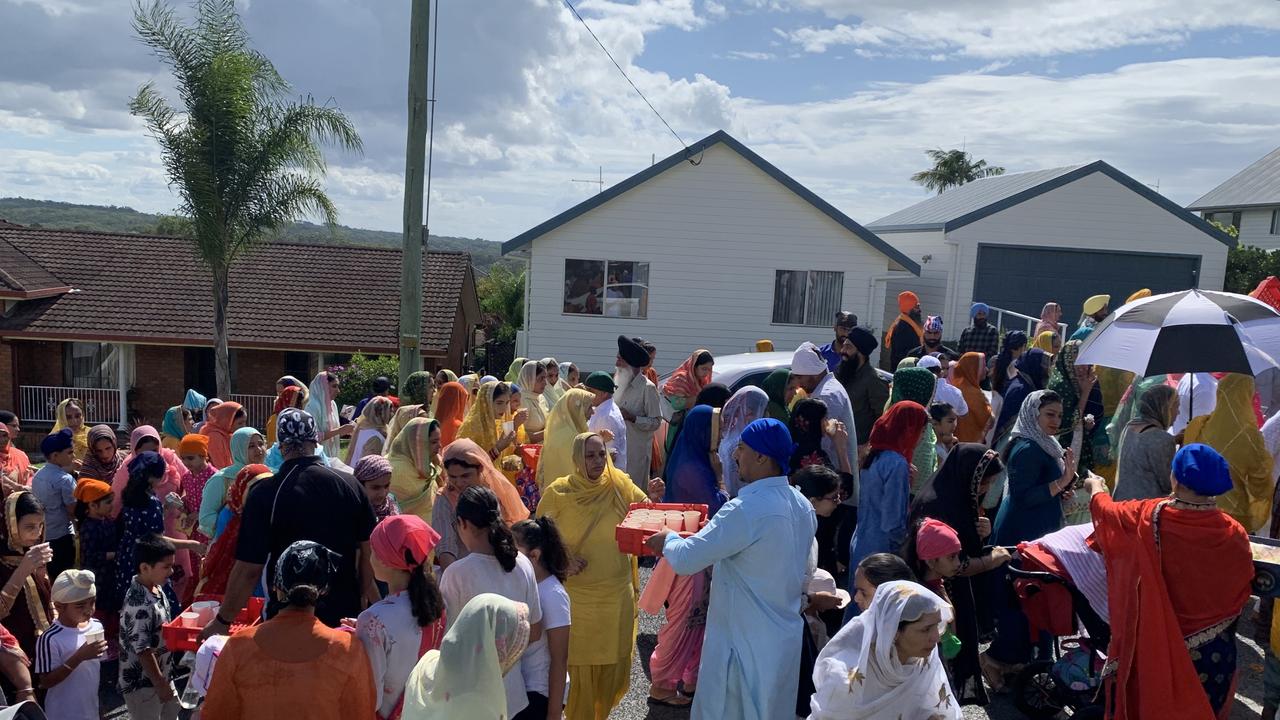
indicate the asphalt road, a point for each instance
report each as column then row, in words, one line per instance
column 634, row 706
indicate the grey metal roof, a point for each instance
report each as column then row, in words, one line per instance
column 937, row 211
column 718, row 137
column 1258, row 184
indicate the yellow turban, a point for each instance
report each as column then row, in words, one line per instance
column 1094, row 305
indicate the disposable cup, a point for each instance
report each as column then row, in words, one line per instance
column 508, row 426
column 674, row 521
column 94, row 636
column 189, row 619
column 691, row 520
column 654, row 525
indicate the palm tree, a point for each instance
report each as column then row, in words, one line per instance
column 952, row 168
column 243, row 157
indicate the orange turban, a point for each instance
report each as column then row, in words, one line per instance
column 89, row 490
column 194, row 444
column 906, row 301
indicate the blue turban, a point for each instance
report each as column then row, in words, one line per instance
column 194, row 401
column 1202, row 469
column 976, row 308
column 57, row 442
column 770, row 438
column 148, row 463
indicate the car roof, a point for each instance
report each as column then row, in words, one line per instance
column 733, row 364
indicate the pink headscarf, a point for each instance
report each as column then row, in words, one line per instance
column 172, row 474
column 935, row 539
column 403, row 533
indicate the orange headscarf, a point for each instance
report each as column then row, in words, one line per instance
column 966, row 376
column 451, row 409
column 684, row 382
column 513, row 510
column 218, row 428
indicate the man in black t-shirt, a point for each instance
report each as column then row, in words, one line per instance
column 305, row 500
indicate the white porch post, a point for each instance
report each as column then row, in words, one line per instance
column 123, row 358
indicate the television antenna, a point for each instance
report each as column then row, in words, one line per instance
column 599, row 181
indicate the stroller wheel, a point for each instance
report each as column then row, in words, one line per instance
column 1035, row 693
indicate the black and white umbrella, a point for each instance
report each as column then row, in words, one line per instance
column 1188, row 331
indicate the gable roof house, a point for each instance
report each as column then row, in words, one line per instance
column 126, row 321
column 1020, row 240
column 1250, row 201
column 713, row 247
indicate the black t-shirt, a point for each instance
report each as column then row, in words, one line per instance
column 312, row 502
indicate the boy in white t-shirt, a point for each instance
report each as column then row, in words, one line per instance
column 67, row 654
column 545, row 663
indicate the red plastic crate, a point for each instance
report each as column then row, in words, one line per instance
column 180, row 637
column 1268, row 291
column 631, row 540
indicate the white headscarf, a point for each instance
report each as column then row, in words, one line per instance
column 746, row 405
column 1203, row 394
column 1028, row 426
column 858, row 674
column 553, row 392
column 536, row 403
column 322, row 407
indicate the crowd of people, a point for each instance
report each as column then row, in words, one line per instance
column 450, row 552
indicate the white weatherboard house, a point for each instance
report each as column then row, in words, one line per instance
column 712, row 247
column 1018, row 241
column 1249, row 200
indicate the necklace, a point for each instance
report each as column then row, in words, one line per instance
column 1189, row 505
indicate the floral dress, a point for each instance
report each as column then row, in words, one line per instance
column 192, row 492
column 135, row 523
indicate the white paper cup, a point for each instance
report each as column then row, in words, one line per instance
column 189, row 619
column 653, row 525
column 674, row 521
column 95, row 636
column 691, row 520
column 508, row 426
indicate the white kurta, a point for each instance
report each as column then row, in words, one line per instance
column 640, row 399
column 608, row 417
column 759, row 543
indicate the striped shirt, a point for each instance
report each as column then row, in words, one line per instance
column 1086, row 567
column 76, row 697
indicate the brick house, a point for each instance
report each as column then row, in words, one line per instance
column 125, row 322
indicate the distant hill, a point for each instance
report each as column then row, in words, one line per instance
column 110, row 218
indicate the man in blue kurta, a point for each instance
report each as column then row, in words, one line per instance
column 759, row 543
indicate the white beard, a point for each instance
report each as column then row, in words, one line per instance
column 622, row 379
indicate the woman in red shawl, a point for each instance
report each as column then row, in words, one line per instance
column 885, row 484
column 220, row 422
column 682, row 388
column 222, row 555
column 1179, row 572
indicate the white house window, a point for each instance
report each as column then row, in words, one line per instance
column 1275, row 222
column 90, row 365
column 609, row 288
column 806, row 297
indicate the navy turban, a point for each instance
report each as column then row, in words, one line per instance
column 772, row 439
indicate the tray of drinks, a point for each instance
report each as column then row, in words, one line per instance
column 645, row 519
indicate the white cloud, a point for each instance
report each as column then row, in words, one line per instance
column 749, row 55
column 1014, row 28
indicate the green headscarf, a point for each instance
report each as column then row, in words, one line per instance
column 916, row 384
column 416, row 387
column 775, row 386
column 513, row 372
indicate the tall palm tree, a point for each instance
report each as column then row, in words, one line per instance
column 243, row 157
column 953, row 168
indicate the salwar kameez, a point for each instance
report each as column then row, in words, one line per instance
column 678, row 652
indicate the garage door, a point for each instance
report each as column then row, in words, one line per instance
column 1023, row 279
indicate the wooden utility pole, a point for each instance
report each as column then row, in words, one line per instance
column 415, row 235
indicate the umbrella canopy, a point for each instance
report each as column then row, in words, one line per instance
column 1188, row 331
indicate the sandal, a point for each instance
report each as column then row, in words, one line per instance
column 674, row 700
column 993, row 672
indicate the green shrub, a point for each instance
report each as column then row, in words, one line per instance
column 358, row 374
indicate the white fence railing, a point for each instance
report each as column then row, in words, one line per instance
column 1006, row 320
column 257, row 407
column 39, row 404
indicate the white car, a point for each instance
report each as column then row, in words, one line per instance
column 738, row 371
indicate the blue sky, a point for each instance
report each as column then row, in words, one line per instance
column 845, row 95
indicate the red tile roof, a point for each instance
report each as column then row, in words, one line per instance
column 140, row 288
column 21, row 277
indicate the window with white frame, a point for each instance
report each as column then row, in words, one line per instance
column 608, row 288
column 806, row 297
column 1275, row 222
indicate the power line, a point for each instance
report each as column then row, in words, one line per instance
column 624, row 74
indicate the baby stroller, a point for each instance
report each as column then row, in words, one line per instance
column 1071, row 679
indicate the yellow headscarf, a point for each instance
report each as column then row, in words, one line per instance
column 415, row 476
column 1044, row 341
column 80, row 438
column 566, row 422
column 481, row 423
column 1232, row 430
